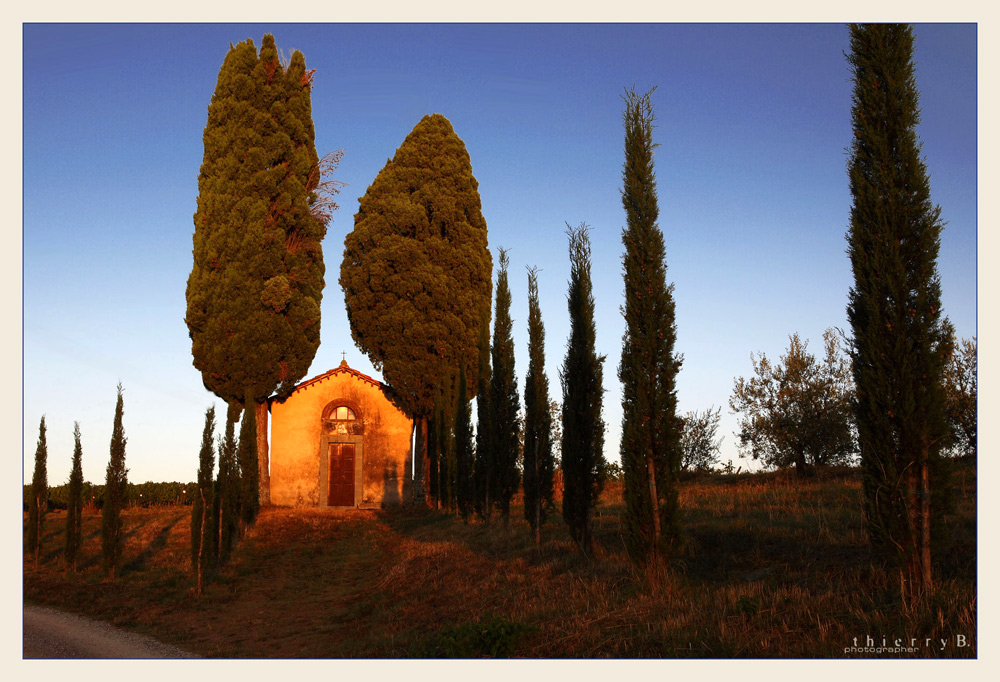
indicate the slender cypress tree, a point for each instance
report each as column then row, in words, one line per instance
column 901, row 342
column 115, row 496
column 433, row 449
column 227, row 489
column 202, row 534
column 74, row 508
column 582, row 378
column 484, row 466
column 504, row 399
column 246, row 457
column 539, row 464
column 651, row 431
column 38, row 504
column 464, row 489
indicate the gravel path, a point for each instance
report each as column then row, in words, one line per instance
column 54, row 634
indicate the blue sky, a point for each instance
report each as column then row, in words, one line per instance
column 752, row 121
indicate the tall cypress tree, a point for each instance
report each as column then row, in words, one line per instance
column 464, row 490
column 582, row 377
column 539, row 464
column 202, row 534
column 254, row 293
column 504, row 399
column 38, row 504
column 901, row 341
column 651, row 431
column 115, row 496
column 246, row 457
column 484, row 475
column 74, row 507
column 417, row 271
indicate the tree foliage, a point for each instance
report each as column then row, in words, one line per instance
column 797, row 411
column 226, row 507
column 582, row 378
column 961, row 387
column 539, row 464
column 651, row 431
column 39, row 502
column 484, row 478
column 464, row 451
column 115, row 496
column 504, row 399
column 74, row 505
column 246, row 457
column 901, row 341
column 699, row 446
column 202, row 531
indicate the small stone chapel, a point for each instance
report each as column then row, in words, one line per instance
column 339, row 440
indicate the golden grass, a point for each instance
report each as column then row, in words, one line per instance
column 770, row 567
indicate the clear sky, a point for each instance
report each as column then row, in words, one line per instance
column 753, row 122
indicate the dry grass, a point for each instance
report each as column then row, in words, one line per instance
column 771, row 567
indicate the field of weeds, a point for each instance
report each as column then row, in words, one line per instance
column 771, row 567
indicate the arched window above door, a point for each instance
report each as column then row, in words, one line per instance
column 342, row 413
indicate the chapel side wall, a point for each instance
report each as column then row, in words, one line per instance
column 294, row 451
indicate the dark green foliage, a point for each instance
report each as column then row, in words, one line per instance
column 227, row 488
column 492, row 637
column 115, row 496
column 464, row 484
column 504, row 399
column 246, row 457
column 961, row 386
column 434, row 469
column 484, row 475
column 699, row 446
column 74, row 505
column 797, row 411
column 582, row 378
column 539, row 463
column 39, row 502
column 651, row 430
column 202, row 532
column 416, row 271
column 901, row 341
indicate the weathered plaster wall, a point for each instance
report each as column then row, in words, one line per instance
column 297, row 426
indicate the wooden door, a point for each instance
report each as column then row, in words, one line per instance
column 341, row 476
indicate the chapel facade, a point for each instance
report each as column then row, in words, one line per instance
column 339, row 440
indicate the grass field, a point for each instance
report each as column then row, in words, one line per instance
column 772, row 567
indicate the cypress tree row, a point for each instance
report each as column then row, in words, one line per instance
column 539, row 464
column 74, row 508
column 227, row 489
column 115, row 496
column 651, row 431
column 582, row 377
column 504, row 399
column 254, row 293
column 202, row 531
column 464, row 486
column 901, row 341
column 39, row 495
column 484, row 476
column 246, row 458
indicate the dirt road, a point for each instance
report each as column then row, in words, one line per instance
column 54, row 634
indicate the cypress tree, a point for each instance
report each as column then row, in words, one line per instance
column 39, row 498
column 417, row 272
column 228, row 487
column 434, row 469
column 115, row 496
column 483, row 470
column 74, row 508
column 464, row 487
column 504, row 399
column 254, row 293
column 901, row 341
column 539, row 464
column 246, row 457
column 202, row 532
column 582, row 377
column 651, row 431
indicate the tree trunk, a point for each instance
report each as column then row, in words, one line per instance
column 420, row 465
column 654, row 501
column 925, row 525
column 264, row 482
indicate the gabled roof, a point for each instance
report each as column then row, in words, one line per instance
column 342, row 369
